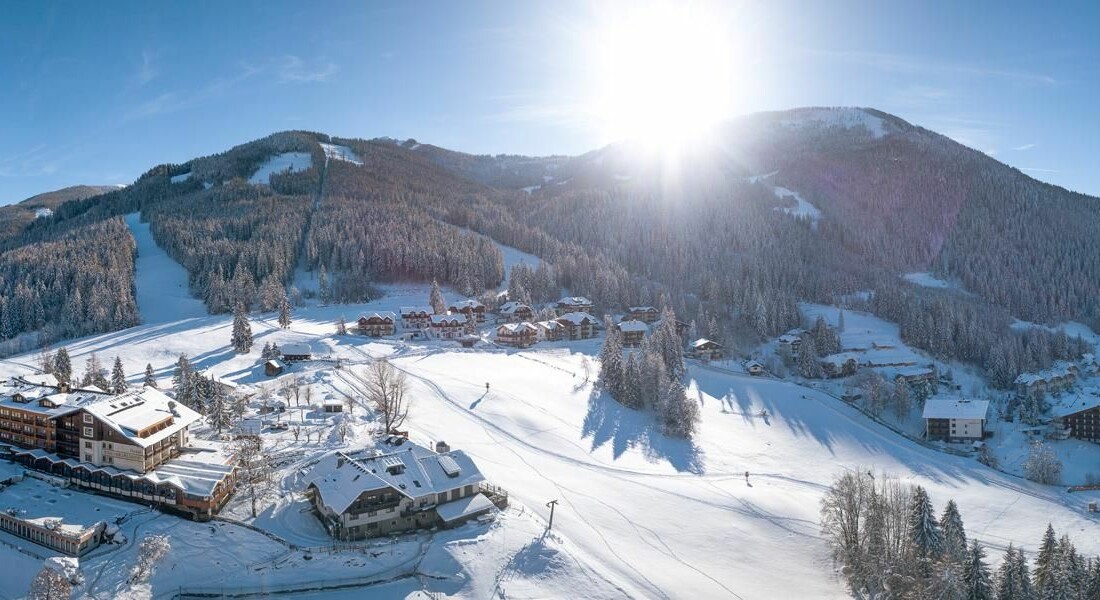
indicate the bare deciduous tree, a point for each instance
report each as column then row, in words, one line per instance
column 386, row 387
column 256, row 474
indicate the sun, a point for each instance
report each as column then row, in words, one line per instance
column 664, row 74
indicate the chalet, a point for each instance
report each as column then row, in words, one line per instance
column 474, row 310
column 791, row 341
column 468, row 340
column 645, row 314
column 550, row 331
column 573, row 304
column 578, row 325
column 1058, row 378
column 416, row 317
column 52, row 532
column 1080, row 418
column 955, row 420
column 399, row 486
column 377, row 324
column 520, row 335
column 843, row 364
column 705, row 349
column 754, row 368
column 448, row 327
column 296, row 351
column 916, row 376
column 515, row 312
column 274, row 367
column 633, row 332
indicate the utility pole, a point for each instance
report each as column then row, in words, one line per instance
column 551, row 504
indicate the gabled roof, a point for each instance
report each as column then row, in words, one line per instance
column 947, row 408
column 517, row 328
column 575, row 301
column 466, row 304
column 458, row 319
column 577, row 318
column 129, row 413
column 512, row 307
column 383, row 315
column 643, row 309
column 408, row 469
column 295, row 349
column 632, row 326
column 407, row 310
column 701, row 342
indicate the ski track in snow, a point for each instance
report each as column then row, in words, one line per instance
column 161, row 283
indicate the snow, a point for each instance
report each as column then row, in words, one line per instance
column 845, row 118
column 804, row 208
column 512, row 257
column 293, row 161
column 43, row 213
column 335, row 152
column 181, row 177
column 756, row 178
column 161, row 283
column 947, row 408
column 929, row 280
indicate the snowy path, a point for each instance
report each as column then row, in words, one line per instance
column 161, row 283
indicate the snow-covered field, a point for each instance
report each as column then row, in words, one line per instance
column 344, row 153
column 845, row 118
column 293, row 161
column 638, row 514
column 926, row 279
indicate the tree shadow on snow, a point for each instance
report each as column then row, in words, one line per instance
column 625, row 428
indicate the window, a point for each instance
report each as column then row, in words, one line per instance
column 87, row 445
column 88, row 418
column 88, row 432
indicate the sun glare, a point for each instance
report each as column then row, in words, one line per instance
column 664, row 74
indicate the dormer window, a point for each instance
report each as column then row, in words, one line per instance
column 395, row 469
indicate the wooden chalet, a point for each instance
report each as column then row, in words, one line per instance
column 550, row 331
column 473, row 310
column 705, row 349
column 448, row 327
column 519, row 335
column 378, row 324
column 573, row 304
column 516, row 312
column 645, row 314
column 633, row 332
column 579, row 325
column 839, row 365
column 296, row 352
column 416, row 317
column 754, row 368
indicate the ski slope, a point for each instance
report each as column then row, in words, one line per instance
column 292, row 161
column 163, row 294
column 343, row 153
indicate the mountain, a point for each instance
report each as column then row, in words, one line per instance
column 15, row 217
column 773, row 208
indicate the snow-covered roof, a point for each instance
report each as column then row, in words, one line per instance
column 295, row 349
column 634, row 309
column 574, row 301
column 408, row 310
column 409, row 469
column 549, row 324
column 220, row 380
column 45, row 379
column 134, row 411
column 790, row 338
column 193, row 477
column 278, row 364
column 516, row 328
column 1060, row 369
column 1068, row 407
column 461, row 304
column 754, row 364
column 509, row 308
column 47, row 401
column 458, row 319
column 913, row 372
column 633, row 326
column 577, row 318
column 701, row 342
column 948, row 408
column 840, row 359
column 380, row 315
column 463, row 507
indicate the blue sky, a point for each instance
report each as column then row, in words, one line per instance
column 100, row 92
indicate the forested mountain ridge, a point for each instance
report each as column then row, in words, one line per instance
column 811, row 204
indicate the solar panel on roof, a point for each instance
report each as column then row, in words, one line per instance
column 450, row 467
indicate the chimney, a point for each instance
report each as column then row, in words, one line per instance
column 441, row 447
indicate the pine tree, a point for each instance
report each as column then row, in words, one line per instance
column 219, row 410
column 322, row 286
column 809, row 366
column 150, row 376
column 341, row 326
column 1046, row 564
column 954, row 535
column 266, row 352
column 118, row 378
column 925, row 537
column 611, row 363
column 1092, row 588
column 840, row 321
column 632, row 381
column 681, row 414
column 241, row 338
column 976, row 574
column 93, row 374
column 284, row 313
column 63, row 366
column 435, row 299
